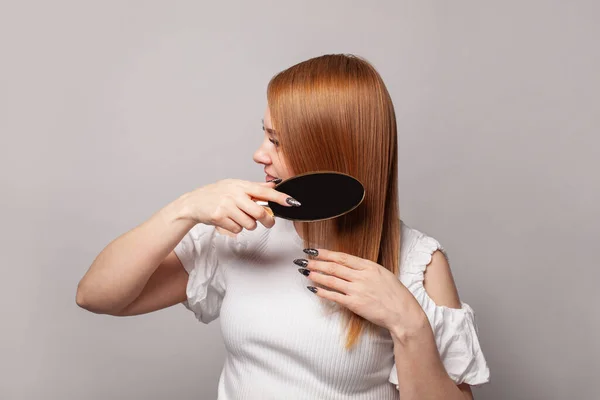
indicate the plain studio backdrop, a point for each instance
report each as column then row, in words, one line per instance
column 109, row 110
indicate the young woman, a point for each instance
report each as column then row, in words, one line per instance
column 372, row 312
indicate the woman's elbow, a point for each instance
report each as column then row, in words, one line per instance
column 82, row 298
column 85, row 299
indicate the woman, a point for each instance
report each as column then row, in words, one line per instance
column 381, row 318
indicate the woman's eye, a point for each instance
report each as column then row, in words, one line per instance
column 275, row 142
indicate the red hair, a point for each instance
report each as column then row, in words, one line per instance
column 334, row 113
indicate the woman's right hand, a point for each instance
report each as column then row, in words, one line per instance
column 230, row 204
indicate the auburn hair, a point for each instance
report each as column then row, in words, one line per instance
column 334, row 113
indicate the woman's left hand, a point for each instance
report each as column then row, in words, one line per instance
column 367, row 289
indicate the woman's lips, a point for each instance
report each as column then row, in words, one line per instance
column 269, row 178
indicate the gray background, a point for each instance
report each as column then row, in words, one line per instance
column 112, row 109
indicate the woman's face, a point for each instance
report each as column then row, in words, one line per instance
column 269, row 155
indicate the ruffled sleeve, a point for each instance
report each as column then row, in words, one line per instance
column 455, row 329
column 206, row 287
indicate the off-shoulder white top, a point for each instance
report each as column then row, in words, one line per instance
column 283, row 344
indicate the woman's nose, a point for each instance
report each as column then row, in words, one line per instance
column 260, row 156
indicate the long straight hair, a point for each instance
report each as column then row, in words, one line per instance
column 334, row 113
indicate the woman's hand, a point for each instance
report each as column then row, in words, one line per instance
column 366, row 288
column 230, row 204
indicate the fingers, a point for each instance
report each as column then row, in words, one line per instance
column 265, row 192
column 236, row 203
column 241, row 218
column 339, row 298
column 257, row 212
column 330, row 268
column 268, row 184
column 344, row 259
column 330, row 281
column 230, row 225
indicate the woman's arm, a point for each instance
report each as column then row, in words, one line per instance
column 139, row 264
column 421, row 373
column 138, row 272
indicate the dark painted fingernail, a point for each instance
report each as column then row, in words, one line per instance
column 304, row 271
column 276, row 180
column 311, row 252
column 301, row 262
column 312, row 289
column 292, row 202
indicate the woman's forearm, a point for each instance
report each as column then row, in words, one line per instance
column 421, row 373
column 122, row 269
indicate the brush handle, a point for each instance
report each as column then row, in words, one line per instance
column 265, row 204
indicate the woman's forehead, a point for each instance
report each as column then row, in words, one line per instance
column 267, row 117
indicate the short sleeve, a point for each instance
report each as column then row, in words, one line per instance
column 455, row 329
column 206, row 287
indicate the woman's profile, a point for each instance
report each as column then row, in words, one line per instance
column 361, row 306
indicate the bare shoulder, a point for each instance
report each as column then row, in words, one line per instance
column 439, row 282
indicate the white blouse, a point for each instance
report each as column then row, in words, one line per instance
column 283, row 343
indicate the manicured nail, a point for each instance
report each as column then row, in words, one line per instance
column 292, row 202
column 312, row 289
column 276, row 180
column 304, row 271
column 301, row 262
column 311, row 252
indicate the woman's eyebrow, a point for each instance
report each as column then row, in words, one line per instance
column 269, row 130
